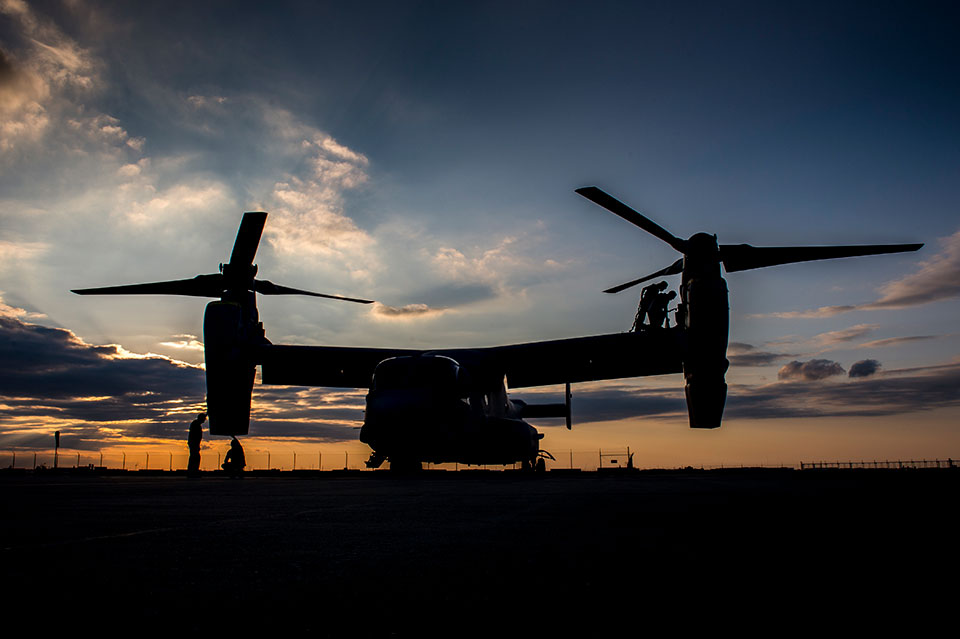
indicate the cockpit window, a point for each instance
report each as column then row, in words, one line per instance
column 433, row 371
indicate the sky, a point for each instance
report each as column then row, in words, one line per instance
column 425, row 155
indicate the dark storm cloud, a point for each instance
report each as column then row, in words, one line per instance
column 864, row 368
column 54, row 363
column 49, row 373
column 815, row 369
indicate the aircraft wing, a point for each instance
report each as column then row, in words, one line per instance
column 585, row 359
column 579, row 359
column 333, row 366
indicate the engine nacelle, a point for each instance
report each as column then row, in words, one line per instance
column 707, row 320
column 230, row 369
column 705, row 400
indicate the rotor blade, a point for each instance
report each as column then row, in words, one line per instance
column 743, row 257
column 617, row 207
column 248, row 238
column 199, row 286
column 265, row 287
column 673, row 269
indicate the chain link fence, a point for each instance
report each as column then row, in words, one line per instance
column 327, row 460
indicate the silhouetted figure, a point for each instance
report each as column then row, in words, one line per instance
column 193, row 444
column 658, row 309
column 649, row 299
column 234, row 462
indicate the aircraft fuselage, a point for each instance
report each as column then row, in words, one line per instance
column 428, row 409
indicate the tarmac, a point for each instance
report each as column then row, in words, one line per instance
column 474, row 553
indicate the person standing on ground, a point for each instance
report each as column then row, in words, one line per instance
column 193, row 444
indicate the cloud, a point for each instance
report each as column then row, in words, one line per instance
column 864, row 368
column 306, row 205
column 815, row 369
column 741, row 354
column 102, row 395
column 52, row 377
column 185, row 342
column 896, row 341
column 936, row 279
column 314, row 414
column 823, row 311
column 452, row 294
column 504, row 269
column 149, row 181
column 833, row 338
column 13, row 312
column 206, row 101
column 895, row 392
column 405, row 312
column 38, row 79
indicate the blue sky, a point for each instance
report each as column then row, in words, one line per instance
column 425, row 155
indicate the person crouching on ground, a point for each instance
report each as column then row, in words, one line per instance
column 234, row 462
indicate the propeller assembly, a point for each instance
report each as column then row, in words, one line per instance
column 703, row 312
column 235, row 279
column 702, row 255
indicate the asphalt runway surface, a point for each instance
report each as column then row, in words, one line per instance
column 482, row 553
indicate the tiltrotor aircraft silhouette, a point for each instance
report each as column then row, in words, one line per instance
column 451, row 405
